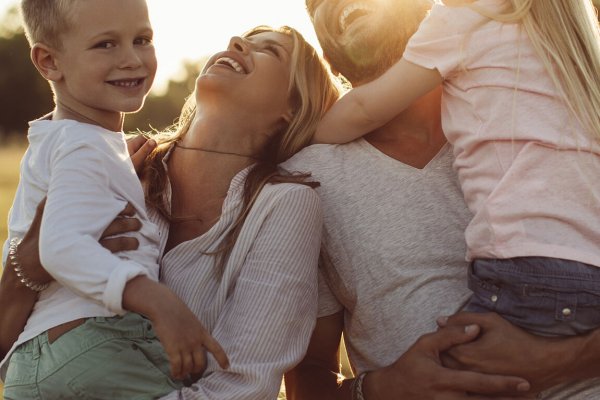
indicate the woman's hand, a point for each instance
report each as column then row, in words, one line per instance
column 28, row 251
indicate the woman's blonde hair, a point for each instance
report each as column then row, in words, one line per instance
column 566, row 36
column 312, row 90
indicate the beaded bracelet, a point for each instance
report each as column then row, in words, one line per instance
column 14, row 262
column 357, row 393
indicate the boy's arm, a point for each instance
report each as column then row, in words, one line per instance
column 505, row 349
column 81, row 202
column 373, row 104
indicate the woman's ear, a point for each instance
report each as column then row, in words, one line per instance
column 44, row 59
column 288, row 115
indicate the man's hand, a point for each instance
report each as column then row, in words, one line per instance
column 503, row 348
column 139, row 148
column 419, row 374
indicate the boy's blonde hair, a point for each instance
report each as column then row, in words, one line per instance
column 566, row 35
column 46, row 20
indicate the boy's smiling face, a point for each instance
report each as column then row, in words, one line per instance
column 107, row 62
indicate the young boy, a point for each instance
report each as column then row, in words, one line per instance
column 80, row 341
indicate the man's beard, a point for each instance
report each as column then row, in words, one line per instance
column 373, row 50
column 366, row 58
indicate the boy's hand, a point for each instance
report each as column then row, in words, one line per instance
column 139, row 148
column 184, row 338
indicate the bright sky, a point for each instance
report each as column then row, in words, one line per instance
column 190, row 29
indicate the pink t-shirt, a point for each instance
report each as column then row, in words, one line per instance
column 528, row 171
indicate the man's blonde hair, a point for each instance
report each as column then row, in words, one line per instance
column 46, row 20
column 566, row 35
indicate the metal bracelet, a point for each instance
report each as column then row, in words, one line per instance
column 357, row 393
column 13, row 261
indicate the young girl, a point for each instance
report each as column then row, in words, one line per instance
column 521, row 106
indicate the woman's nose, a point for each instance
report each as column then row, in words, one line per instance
column 238, row 44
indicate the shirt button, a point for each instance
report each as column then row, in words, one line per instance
column 494, row 298
column 194, row 388
column 566, row 311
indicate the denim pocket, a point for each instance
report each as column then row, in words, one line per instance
column 126, row 374
column 542, row 295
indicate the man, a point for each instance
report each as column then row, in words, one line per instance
column 394, row 250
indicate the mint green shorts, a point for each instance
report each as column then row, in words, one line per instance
column 104, row 358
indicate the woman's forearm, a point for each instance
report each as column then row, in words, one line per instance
column 17, row 302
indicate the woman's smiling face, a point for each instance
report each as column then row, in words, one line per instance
column 253, row 74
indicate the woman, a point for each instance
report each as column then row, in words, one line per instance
column 240, row 237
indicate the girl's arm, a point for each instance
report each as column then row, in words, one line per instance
column 267, row 321
column 373, row 104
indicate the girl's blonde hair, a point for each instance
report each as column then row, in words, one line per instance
column 312, row 90
column 566, row 36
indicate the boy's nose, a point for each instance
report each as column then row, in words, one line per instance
column 130, row 59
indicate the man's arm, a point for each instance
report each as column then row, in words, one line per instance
column 416, row 375
column 503, row 348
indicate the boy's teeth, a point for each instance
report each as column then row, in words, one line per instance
column 126, row 83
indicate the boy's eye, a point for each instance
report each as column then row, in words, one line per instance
column 143, row 41
column 105, row 45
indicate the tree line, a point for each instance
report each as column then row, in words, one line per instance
column 25, row 95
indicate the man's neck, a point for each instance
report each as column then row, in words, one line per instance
column 415, row 136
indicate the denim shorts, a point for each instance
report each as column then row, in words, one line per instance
column 545, row 296
column 104, row 358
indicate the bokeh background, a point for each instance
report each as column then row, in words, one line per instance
column 186, row 34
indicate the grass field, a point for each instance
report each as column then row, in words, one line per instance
column 10, row 157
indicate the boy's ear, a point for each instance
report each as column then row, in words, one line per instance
column 44, row 59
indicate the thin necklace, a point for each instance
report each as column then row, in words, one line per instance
column 215, row 151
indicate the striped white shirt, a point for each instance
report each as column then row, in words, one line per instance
column 262, row 306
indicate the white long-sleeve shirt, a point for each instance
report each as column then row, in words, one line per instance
column 87, row 176
column 262, row 307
